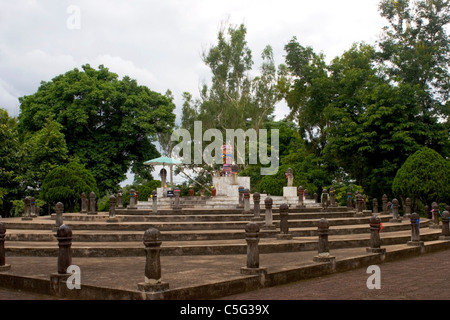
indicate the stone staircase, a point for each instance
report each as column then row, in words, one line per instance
column 200, row 231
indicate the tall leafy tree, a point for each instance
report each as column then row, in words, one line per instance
column 415, row 52
column 43, row 150
column 11, row 171
column 309, row 94
column 237, row 97
column 110, row 124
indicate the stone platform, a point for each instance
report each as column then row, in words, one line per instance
column 202, row 250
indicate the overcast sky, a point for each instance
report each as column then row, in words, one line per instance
column 159, row 43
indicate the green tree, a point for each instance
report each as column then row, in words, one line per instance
column 424, row 177
column 44, row 150
column 415, row 52
column 108, row 123
column 11, row 158
column 65, row 184
column 309, row 93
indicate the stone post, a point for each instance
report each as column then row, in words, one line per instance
column 325, row 200
column 59, row 216
column 132, row 205
column 316, row 198
column 256, row 207
column 375, row 240
column 247, row 201
column 241, row 197
column 333, row 197
column 407, row 209
column 290, row 177
column 301, row 194
column 349, row 200
column 375, row 205
column 284, row 223
column 415, row 231
column 84, row 203
column 268, row 202
column 323, row 246
column 395, row 215
column 234, row 172
column 176, row 203
column 33, row 207
column 359, row 203
column 427, row 212
column 27, row 210
column 152, row 277
column 435, row 216
column 252, row 239
column 445, row 226
column 384, row 204
column 3, row 265
column 92, row 204
column 154, row 201
column 64, row 237
column 112, row 209
column 120, row 199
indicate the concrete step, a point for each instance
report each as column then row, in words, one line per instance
column 210, row 223
column 210, row 247
column 118, row 236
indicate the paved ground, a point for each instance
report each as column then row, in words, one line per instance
column 421, row 278
column 425, row 277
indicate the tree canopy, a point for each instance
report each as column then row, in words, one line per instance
column 108, row 123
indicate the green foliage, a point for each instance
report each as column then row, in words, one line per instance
column 425, row 176
column 66, row 183
column 45, row 149
column 109, row 124
column 11, row 160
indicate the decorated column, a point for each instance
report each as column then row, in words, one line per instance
column 152, row 275
column 176, row 203
column 154, row 201
column 284, row 223
column 120, row 199
column 241, row 197
column 333, row 197
column 256, row 207
column 112, row 209
column 301, row 194
column 384, row 204
column 92, row 204
column 84, row 203
column 3, row 265
column 268, row 202
column 64, row 237
column 59, row 216
column 375, row 205
column 323, row 246
column 415, row 231
column 246, row 201
column 325, row 199
column 445, row 226
column 252, row 239
column 27, row 209
column 375, row 240
column 33, row 207
column 395, row 215
column 132, row 205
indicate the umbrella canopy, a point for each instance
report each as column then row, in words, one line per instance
column 162, row 161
